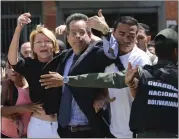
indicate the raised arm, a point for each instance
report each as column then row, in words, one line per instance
column 110, row 45
column 14, row 46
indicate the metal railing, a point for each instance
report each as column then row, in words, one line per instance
column 10, row 10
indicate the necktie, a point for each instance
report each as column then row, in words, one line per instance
column 65, row 106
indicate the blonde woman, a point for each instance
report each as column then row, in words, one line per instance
column 44, row 45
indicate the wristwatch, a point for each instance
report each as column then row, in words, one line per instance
column 65, row 79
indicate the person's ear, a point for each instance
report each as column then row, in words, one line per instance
column 67, row 37
column 149, row 38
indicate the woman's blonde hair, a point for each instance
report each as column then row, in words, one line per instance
column 46, row 32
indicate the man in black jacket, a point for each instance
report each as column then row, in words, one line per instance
column 154, row 112
column 76, row 115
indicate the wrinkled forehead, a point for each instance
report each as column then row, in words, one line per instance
column 77, row 25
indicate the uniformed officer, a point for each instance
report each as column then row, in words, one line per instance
column 154, row 112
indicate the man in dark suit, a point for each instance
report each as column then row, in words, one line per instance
column 76, row 115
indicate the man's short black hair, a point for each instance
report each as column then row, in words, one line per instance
column 145, row 27
column 125, row 20
column 76, row 17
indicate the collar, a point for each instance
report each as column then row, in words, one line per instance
column 112, row 39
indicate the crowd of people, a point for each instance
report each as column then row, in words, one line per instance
column 122, row 85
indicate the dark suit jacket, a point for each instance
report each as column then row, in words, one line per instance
column 91, row 61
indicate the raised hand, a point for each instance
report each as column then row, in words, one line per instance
column 98, row 22
column 131, row 73
column 53, row 79
column 61, row 30
column 23, row 19
column 100, row 15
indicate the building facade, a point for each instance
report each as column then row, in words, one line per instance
column 157, row 14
